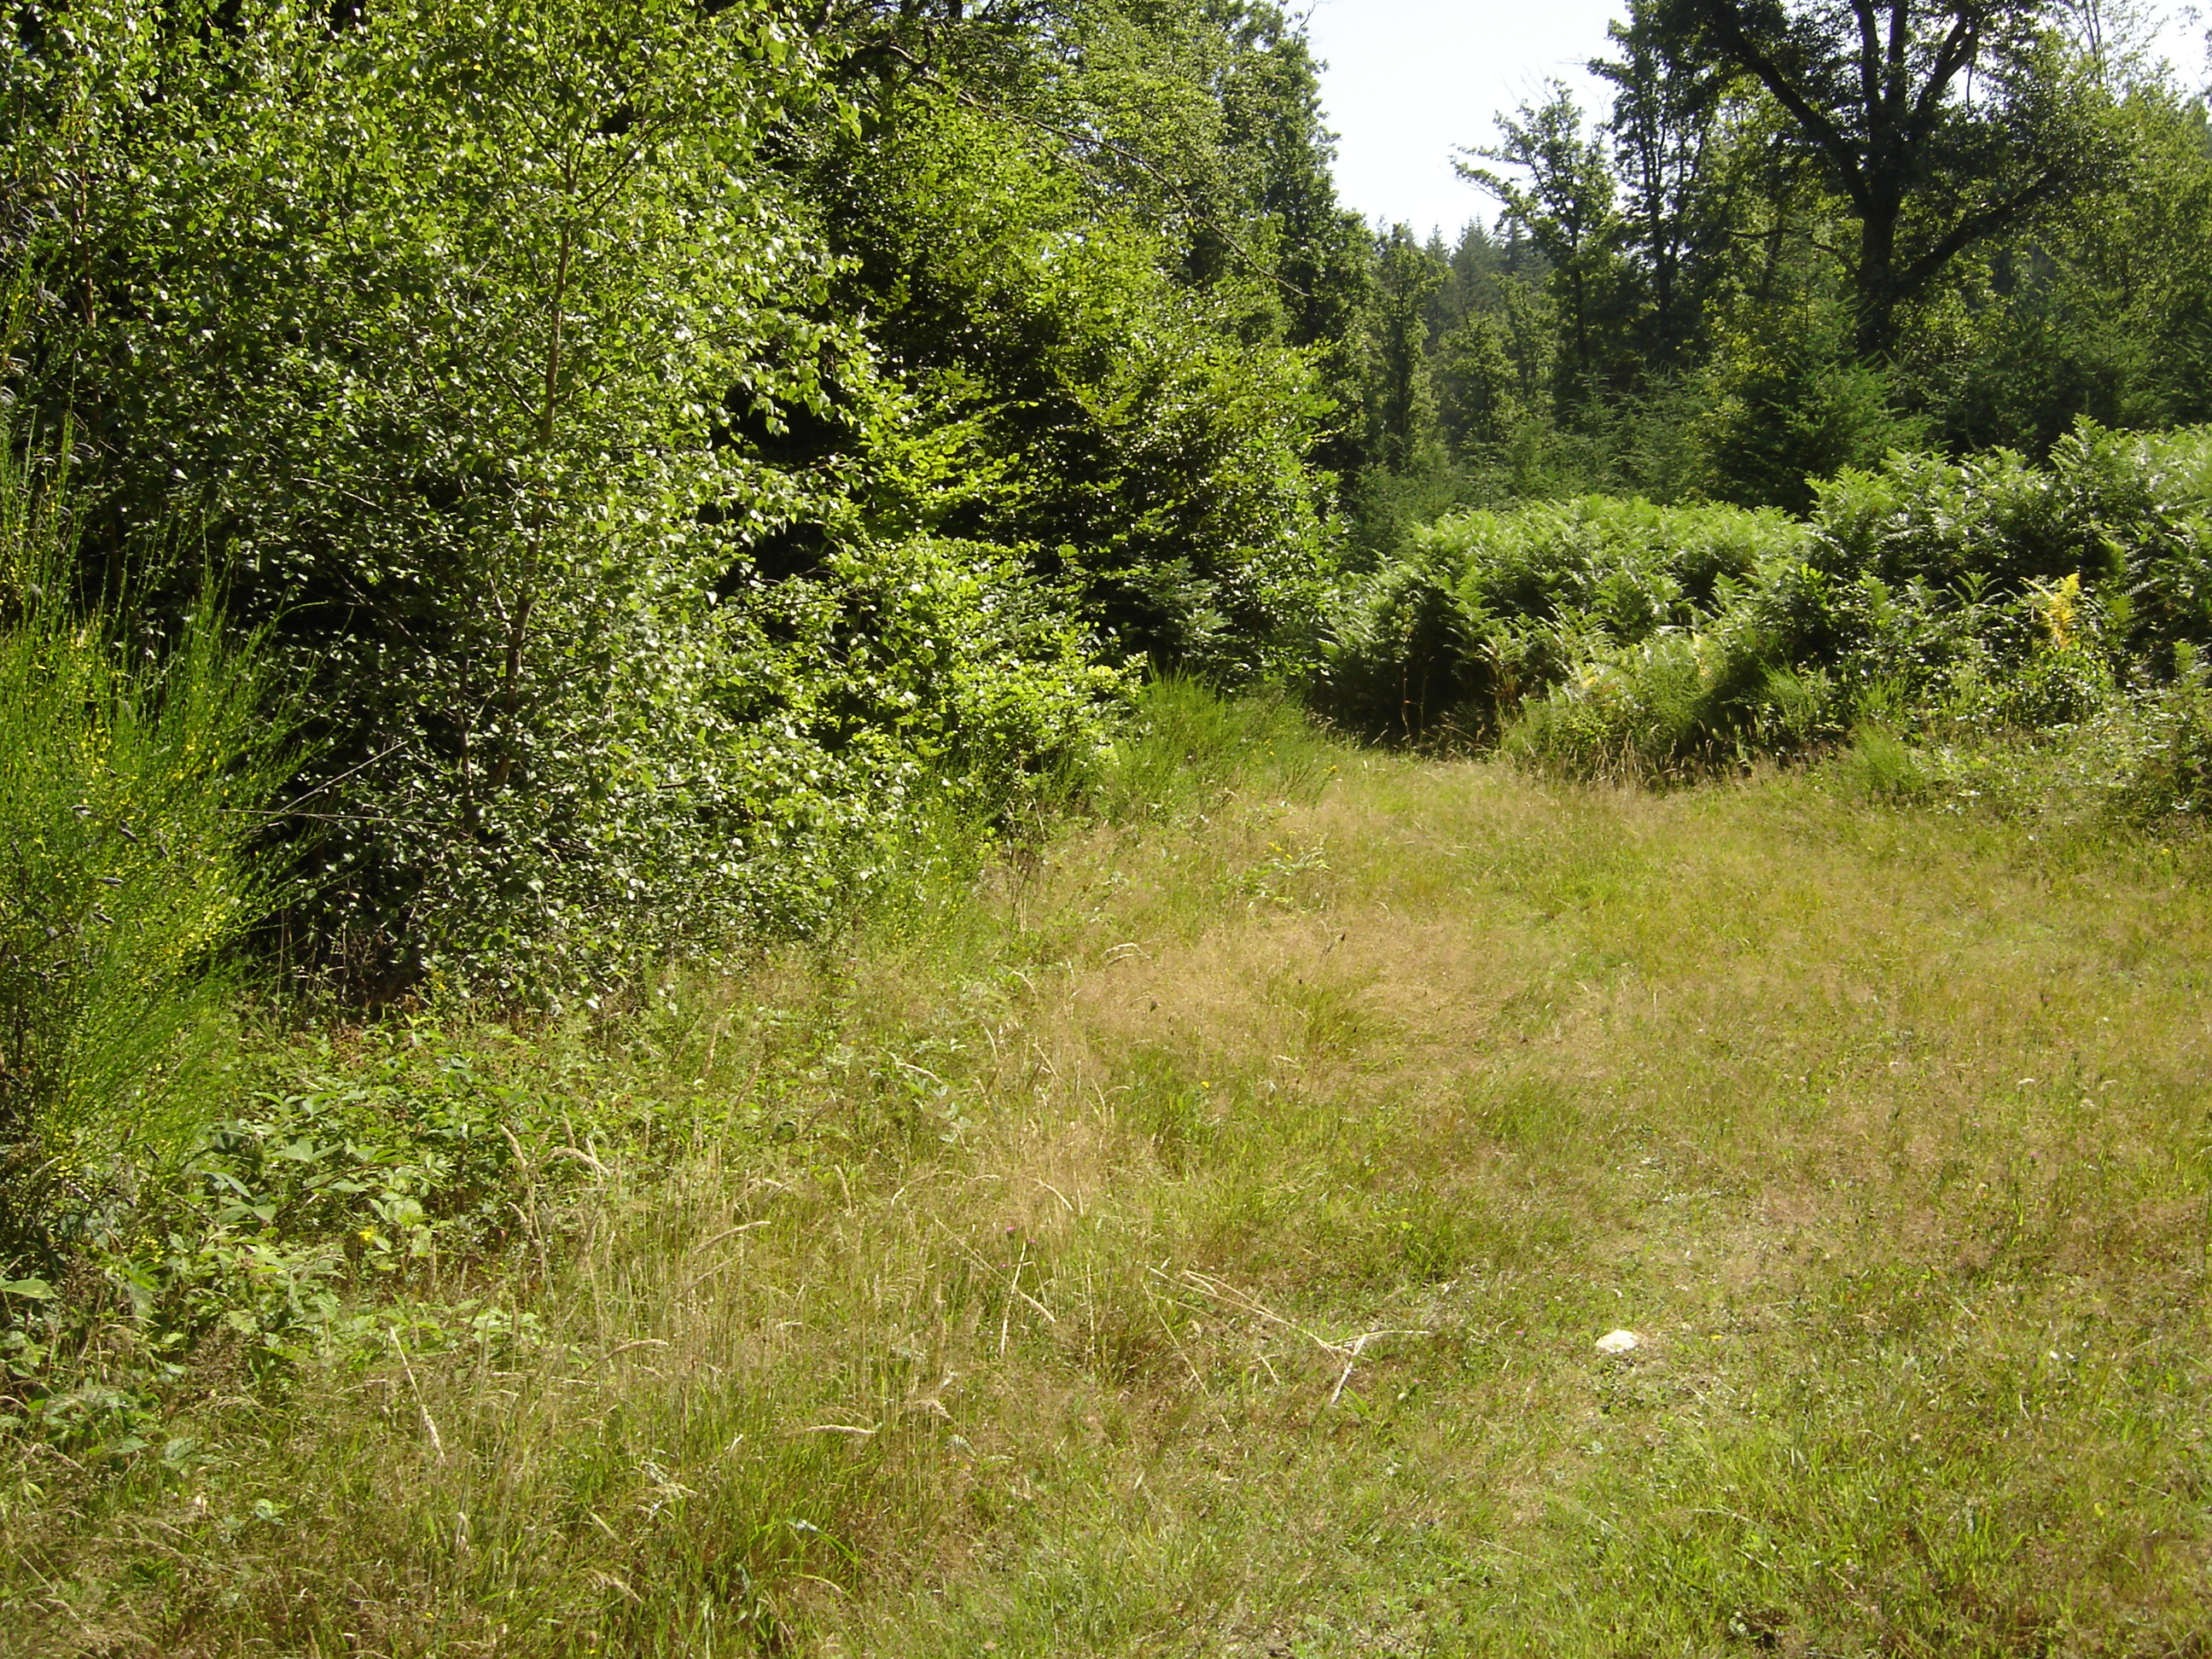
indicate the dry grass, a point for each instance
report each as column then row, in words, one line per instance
column 1198, row 1244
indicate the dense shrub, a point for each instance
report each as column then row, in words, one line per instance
column 2172, row 770
column 1487, row 610
column 341, row 1200
column 1124, row 428
column 131, row 793
column 1983, row 595
column 494, row 350
column 764, row 770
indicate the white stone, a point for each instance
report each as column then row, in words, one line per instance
column 1618, row 1342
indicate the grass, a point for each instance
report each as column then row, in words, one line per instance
column 1197, row 1239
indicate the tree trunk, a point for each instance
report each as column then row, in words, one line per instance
column 1875, row 335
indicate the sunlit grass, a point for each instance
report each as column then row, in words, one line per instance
column 1198, row 1241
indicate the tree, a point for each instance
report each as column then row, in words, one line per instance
column 491, row 355
column 1667, row 129
column 1567, row 209
column 2105, row 313
column 1400, row 404
column 1493, row 373
column 1939, row 123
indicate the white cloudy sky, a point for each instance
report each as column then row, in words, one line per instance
column 1410, row 81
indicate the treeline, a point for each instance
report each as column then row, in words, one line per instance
column 1800, row 238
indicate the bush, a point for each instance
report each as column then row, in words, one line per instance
column 348, row 1190
column 130, row 800
column 2170, row 773
column 1675, row 706
column 1491, row 610
column 1877, row 765
column 657, row 550
column 1140, row 435
column 626, row 577
column 766, row 774
column 1983, row 597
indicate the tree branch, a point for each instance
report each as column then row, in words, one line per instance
column 1871, row 80
column 1975, row 226
column 1848, row 165
column 1959, row 49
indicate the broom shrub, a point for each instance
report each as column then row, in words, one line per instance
column 130, row 797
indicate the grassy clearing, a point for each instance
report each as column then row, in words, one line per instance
column 1197, row 1242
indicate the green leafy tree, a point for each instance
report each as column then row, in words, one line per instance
column 1494, row 372
column 1400, row 404
column 1667, row 127
column 2105, row 311
column 1939, row 126
column 498, row 364
column 1140, row 427
column 1568, row 207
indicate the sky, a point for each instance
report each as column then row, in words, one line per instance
column 1409, row 82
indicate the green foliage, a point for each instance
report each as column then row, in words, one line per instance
column 1491, row 609
column 436, row 314
column 2129, row 514
column 1877, row 766
column 1779, row 254
column 2172, row 770
column 1113, row 421
column 602, row 546
column 1984, row 597
column 1958, row 125
column 1398, row 402
column 347, row 1178
column 1790, row 406
column 820, row 726
column 130, row 795
column 2141, row 761
column 1567, row 209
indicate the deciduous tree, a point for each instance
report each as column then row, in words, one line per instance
column 1938, row 124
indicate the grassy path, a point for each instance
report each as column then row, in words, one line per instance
column 1201, row 1246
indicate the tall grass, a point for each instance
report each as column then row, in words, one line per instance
column 129, row 795
column 1184, row 749
column 1199, row 1245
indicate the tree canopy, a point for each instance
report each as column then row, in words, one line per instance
column 1941, row 123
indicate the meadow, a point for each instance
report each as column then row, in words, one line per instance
column 822, row 833
column 1196, row 1234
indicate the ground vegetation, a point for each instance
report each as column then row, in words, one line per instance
column 818, row 835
